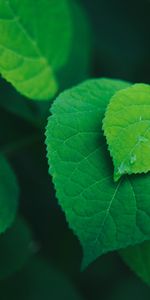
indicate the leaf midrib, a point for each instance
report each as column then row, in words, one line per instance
column 107, row 211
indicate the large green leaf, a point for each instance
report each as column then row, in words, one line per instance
column 35, row 40
column 104, row 215
column 127, row 129
column 8, row 195
column 138, row 259
column 16, row 246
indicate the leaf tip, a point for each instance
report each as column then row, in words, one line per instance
column 120, row 171
column 116, row 177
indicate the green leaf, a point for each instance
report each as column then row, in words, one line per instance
column 138, row 259
column 104, row 215
column 38, row 280
column 126, row 126
column 35, row 42
column 9, row 193
column 16, row 246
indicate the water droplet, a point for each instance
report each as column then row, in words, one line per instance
column 133, row 159
column 140, row 118
column 142, row 139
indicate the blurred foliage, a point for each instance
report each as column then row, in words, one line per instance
column 39, row 254
column 16, row 246
column 38, row 280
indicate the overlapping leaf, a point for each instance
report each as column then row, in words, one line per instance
column 127, row 129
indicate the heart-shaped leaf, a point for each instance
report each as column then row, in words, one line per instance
column 127, row 129
column 104, row 215
column 35, row 41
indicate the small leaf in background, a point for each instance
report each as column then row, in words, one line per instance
column 138, row 259
column 9, row 193
column 35, row 42
column 38, row 280
column 127, row 129
column 16, row 246
column 76, row 69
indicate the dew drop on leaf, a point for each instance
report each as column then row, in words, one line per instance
column 133, row 159
column 142, row 139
